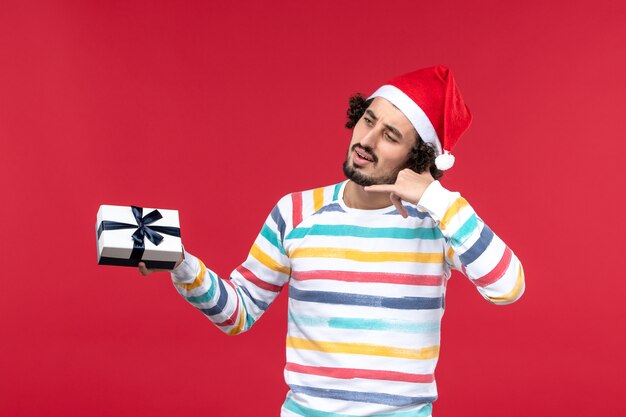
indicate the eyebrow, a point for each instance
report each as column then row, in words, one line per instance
column 391, row 128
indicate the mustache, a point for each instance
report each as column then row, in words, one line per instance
column 367, row 149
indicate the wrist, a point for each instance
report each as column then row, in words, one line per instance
column 187, row 270
column 436, row 199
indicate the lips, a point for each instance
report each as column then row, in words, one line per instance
column 364, row 155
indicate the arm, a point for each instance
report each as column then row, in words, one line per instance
column 471, row 247
column 235, row 304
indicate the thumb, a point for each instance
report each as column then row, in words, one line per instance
column 143, row 270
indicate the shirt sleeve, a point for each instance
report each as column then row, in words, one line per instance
column 473, row 248
column 236, row 303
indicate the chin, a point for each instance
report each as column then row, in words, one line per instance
column 356, row 176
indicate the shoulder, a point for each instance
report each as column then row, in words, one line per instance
column 296, row 206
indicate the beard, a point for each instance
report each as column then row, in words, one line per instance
column 355, row 174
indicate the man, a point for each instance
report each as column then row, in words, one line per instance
column 367, row 260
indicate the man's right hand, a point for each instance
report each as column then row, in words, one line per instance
column 143, row 270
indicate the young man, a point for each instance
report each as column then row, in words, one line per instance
column 367, row 260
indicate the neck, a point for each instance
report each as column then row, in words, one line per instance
column 354, row 196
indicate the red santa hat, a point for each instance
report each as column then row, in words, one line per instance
column 432, row 102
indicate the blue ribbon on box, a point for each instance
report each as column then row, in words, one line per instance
column 143, row 231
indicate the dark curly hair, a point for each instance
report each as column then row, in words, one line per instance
column 422, row 154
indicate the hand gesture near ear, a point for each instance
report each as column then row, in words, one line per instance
column 409, row 186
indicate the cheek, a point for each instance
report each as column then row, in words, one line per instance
column 357, row 133
column 396, row 154
column 394, row 158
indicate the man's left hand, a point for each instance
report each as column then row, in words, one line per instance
column 409, row 186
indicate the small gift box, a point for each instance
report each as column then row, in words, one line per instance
column 127, row 236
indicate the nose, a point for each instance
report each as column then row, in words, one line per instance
column 369, row 139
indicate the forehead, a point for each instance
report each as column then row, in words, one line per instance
column 383, row 109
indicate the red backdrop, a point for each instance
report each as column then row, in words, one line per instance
column 218, row 109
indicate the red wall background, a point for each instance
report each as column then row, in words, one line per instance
column 218, row 109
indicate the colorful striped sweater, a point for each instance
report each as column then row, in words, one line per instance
column 366, row 295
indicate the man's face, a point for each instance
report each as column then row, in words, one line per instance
column 381, row 143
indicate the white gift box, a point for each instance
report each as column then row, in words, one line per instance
column 127, row 235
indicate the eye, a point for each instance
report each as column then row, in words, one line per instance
column 367, row 121
column 390, row 138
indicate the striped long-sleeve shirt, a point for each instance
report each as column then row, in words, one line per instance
column 366, row 295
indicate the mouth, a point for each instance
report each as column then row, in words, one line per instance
column 361, row 156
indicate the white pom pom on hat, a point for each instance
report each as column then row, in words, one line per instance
column 432, row 102
column 444, row 161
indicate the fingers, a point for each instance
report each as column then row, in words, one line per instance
column 143, row 270
column 395, row 198
column 380, row 188
column 397, row 201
